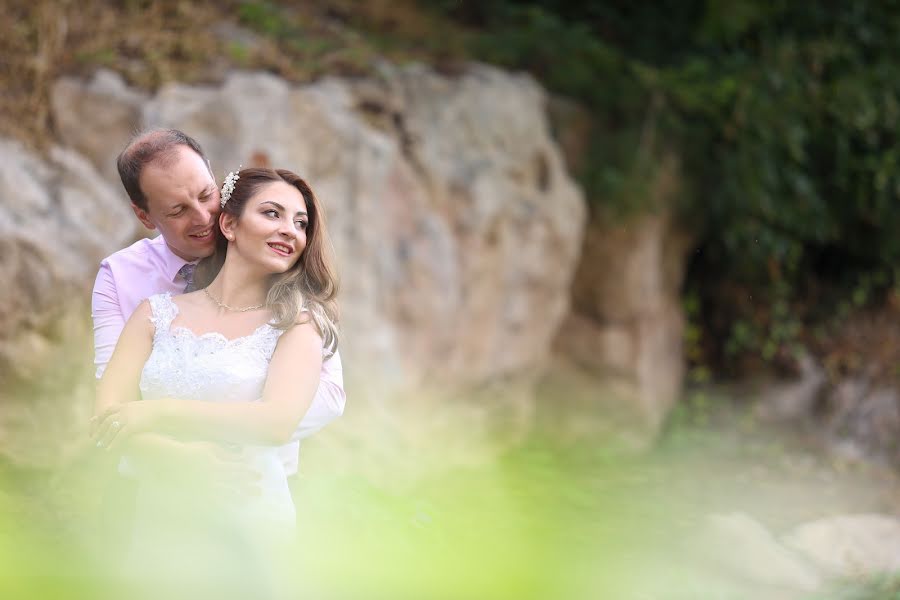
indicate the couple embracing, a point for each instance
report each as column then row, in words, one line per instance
column 216, row 352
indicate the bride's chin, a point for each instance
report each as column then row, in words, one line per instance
column 275, row 269
column 280, row 266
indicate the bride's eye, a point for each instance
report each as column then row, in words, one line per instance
column 301, row 225
column 271, row 212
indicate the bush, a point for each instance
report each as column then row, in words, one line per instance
column 786, row 116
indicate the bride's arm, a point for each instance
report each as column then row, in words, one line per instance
column 291, row 383
column 121, row 378
column 120, row 385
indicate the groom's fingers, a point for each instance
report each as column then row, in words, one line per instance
column 117, row 434
column 99, row 431
column 107, row 431
column 104, row 438
column 96, row 423
column 103, row 423
column 107, row 413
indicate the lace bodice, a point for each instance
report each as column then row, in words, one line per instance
column 210, row 367
column 188, row 366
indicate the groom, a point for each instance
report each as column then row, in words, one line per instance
column 172, row 189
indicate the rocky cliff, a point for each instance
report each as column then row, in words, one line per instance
column 456, row 226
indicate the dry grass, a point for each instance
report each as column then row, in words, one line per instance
column 153, row 42
column 867, row 343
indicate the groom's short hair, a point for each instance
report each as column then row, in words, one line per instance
column 149, row 146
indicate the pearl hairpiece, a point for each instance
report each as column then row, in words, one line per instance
column 228, row 186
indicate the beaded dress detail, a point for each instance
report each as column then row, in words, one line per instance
column 210, row 368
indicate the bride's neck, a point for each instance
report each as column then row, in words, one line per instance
column 238, row 287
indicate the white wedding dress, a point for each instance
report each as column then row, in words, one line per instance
column 223, row 530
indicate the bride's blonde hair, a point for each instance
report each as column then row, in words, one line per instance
column 311, row 284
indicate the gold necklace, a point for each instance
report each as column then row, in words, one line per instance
column 221, row 304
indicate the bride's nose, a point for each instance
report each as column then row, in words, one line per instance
column 287, row 229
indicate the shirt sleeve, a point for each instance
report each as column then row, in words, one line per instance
column 328, row 403
column 107, row 316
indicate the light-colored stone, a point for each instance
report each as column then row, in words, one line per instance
column 850, row 545
column 454, row 221
column 739, row 544
column 585, row 405
column 626, row 321
column 58, row 219
column 861, row 419
column 455, row 224
column 642, row 257
column 792, row 400
column 857, row 417
column 97, row 118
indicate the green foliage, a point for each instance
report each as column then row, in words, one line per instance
column 265, row 17
column 786, row 116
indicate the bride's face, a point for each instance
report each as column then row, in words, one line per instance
column 271, row 231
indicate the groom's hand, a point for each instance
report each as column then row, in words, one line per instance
column 116, row 423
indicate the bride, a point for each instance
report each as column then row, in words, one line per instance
column 236, row 363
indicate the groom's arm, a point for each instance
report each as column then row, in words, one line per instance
column 108, row 318
column 328, row 403
column 145, row 448
column 291, row 383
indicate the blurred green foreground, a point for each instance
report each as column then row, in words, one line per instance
column 548, row 516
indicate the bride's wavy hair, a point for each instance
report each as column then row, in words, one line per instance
column 311, row 284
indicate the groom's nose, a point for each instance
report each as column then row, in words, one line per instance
column 202, row 215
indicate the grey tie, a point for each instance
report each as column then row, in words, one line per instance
column 187, row 273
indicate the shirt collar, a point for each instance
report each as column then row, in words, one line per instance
column 172, row 263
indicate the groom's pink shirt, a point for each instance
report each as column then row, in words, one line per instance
column 149, row 267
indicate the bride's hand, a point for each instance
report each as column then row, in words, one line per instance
column 117, row 423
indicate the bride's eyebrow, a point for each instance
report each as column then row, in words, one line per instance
column 280, row 207
column 275, row 204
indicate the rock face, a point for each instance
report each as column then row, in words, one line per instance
column 455, row 225
column 810, row 557
column 454, row 222
column 862, row 419
column 58, row 218
column 856, row 417
column 97, row 118
column 57, row 221
column 742, row 546
column 626, row 323
column 850, row 545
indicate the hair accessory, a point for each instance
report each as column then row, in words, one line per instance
column 228, row 186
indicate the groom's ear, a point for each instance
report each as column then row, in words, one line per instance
column 142, row 216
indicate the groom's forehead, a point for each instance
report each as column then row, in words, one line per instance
column 176, row 177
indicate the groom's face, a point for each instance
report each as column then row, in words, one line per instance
column 182, row 203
